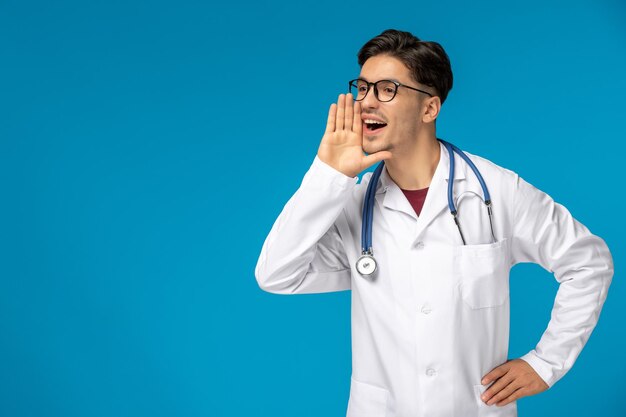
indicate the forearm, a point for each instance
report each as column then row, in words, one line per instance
column 582, row 291
column 546, row 233
column 303, row 239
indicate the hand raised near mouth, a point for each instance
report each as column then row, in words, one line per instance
column 342, row 143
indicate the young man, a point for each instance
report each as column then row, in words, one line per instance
column 430, row 326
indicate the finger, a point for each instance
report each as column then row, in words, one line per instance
column 496, row 387
column 341, row 103
column 357, row 123
column 495, row 374
column 370, row 160
column 332, row 113
column 516, row 395
column 347, row 122
column 504, row 393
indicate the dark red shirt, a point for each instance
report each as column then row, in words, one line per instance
column 416, row 198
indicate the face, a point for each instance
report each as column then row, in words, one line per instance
column 403, row 115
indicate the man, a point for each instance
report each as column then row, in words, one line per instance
column 430, row 327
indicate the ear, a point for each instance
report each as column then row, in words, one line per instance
column 431, row 109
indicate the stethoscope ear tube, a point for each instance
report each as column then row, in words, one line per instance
column 469, row 162
column 486, row 197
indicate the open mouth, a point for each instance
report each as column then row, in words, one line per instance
column 374, row 128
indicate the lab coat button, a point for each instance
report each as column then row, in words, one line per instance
column 431, row 372
column 419, row 245
column 426, row 309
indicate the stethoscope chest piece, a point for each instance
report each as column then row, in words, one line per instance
column 366, row 264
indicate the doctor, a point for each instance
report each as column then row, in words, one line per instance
column 430, row 326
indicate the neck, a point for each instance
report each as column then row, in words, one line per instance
column 413, row 168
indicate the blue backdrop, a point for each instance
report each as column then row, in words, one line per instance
column 146, row 149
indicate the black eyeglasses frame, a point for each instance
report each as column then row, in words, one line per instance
column 374, row 84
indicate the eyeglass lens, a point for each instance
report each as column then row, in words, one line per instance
column 386, row 90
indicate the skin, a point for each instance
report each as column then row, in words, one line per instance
column 409, row 147
column 513, row 380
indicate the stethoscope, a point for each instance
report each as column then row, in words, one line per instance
column 366, row 264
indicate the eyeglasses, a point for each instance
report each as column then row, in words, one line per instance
column 384, row 90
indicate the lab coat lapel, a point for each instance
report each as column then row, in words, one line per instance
column 394, row 198
column 437, row 196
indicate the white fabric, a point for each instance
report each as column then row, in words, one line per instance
column 435, row 318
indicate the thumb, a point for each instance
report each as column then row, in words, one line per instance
column 369, row 160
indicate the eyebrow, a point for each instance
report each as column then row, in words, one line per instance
column 390, row 79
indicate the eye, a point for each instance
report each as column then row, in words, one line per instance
column 389, row 90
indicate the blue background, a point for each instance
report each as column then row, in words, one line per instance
column 146, row 149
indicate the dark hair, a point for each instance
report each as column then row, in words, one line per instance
column 428, row 62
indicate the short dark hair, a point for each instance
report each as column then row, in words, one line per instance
column 428, row 62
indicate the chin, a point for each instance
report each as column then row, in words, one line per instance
column 373, row 144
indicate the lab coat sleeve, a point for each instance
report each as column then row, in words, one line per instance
column 304, row 252
column 545, row 232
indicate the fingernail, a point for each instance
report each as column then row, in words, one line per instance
column 484, row 381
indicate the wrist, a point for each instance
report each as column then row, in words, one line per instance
column 331, row 166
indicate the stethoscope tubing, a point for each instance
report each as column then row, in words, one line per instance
column 370, row 195
column 366, row 225
column 451, row 149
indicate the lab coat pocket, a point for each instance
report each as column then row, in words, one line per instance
column 484, row 274
column 367, row 400
column 484, row 410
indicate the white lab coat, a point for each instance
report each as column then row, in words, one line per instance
column 435, row 318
